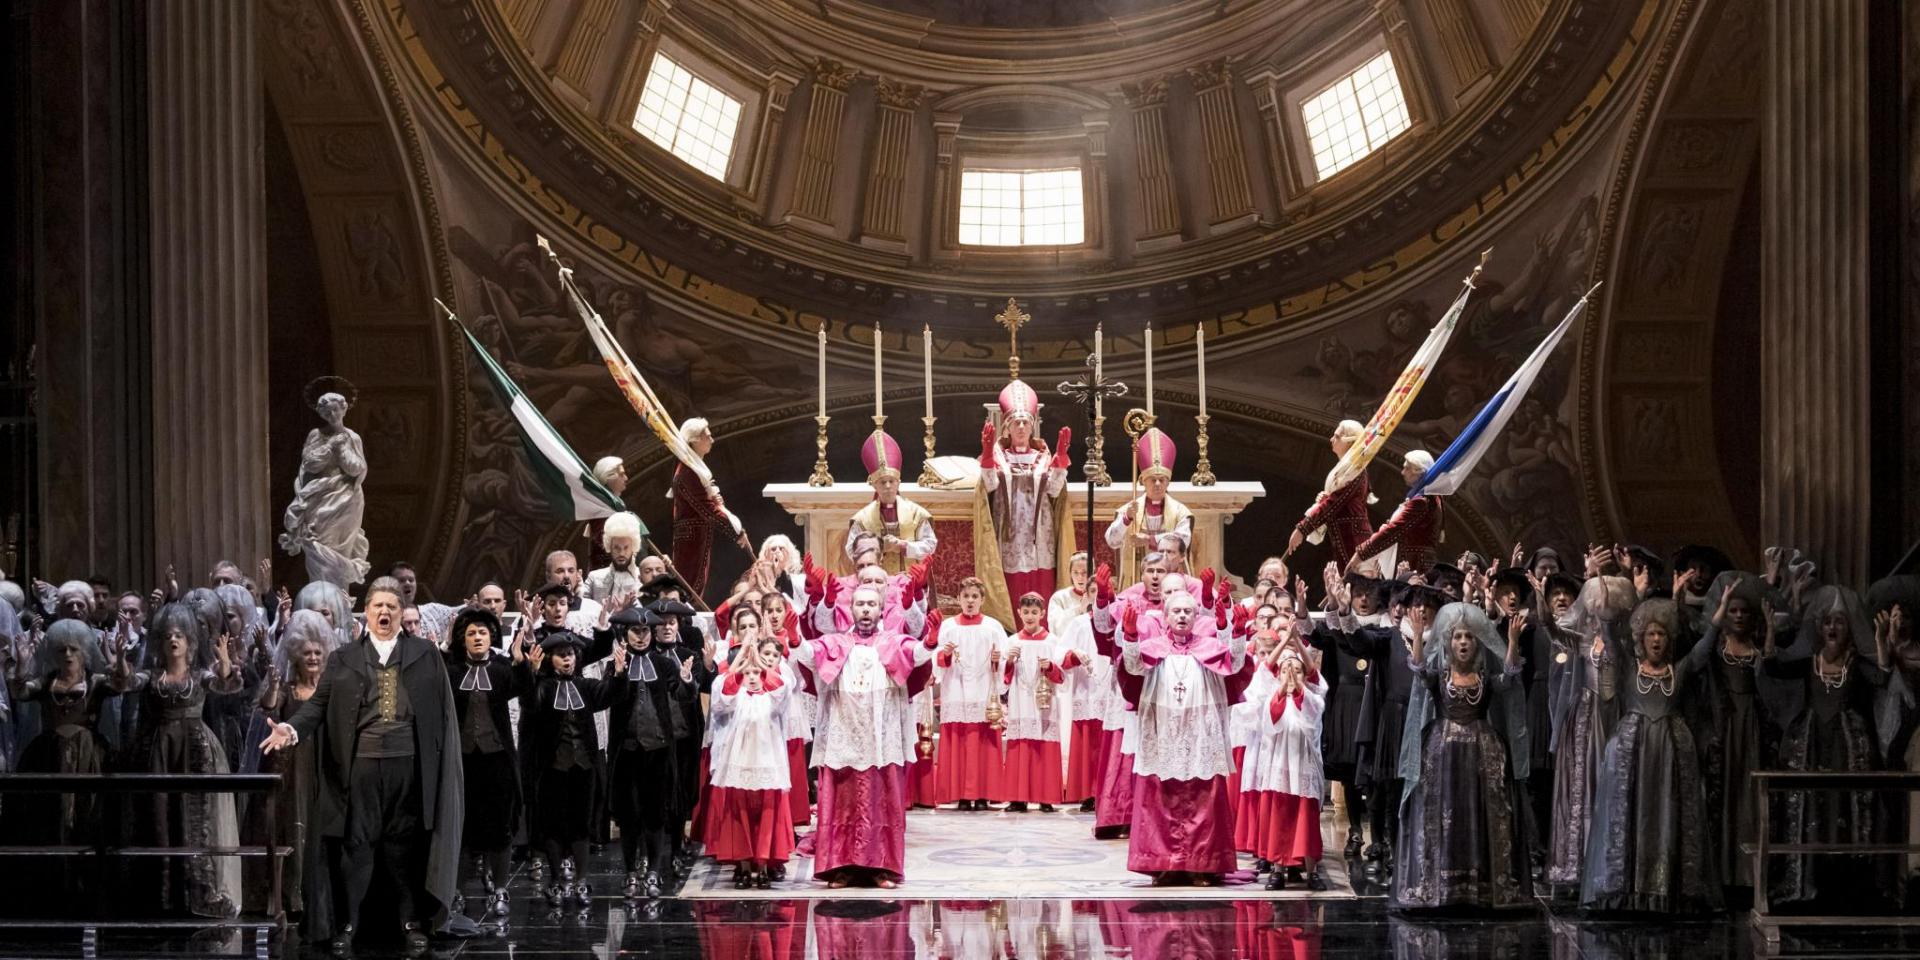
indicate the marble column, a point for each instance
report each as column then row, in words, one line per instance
column 209, row 320
column 79, row 228
column 1816, row 331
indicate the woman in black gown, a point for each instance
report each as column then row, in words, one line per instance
column 1460, row 845
column 1584, row 712
column 64, row 672
column 1647, row 851
column 1730, row 718
column 1835, row 659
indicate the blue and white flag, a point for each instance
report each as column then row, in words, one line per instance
column 1450, row 469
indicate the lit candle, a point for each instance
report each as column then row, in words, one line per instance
column 1149, row 368
column 821, row 377
column 1200, row 344
column 876, row 370
column 926, row 351
column 1099, row 365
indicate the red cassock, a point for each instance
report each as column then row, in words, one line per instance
column 1083, row 761
column 1415, row 526
column 745, row 824
column 695, row 514
column 1344, row 513
column 1032, row 770
column 1282, row 828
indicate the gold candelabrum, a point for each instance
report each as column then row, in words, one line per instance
column 1202, row 468
column 927, row 477
column 822, row 477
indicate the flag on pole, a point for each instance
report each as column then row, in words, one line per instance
column 626, row 376
column 1405, row 390
column 634, row 386
column 1450, row 469
column 570, row 487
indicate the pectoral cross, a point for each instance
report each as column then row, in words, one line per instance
column 1180, row 691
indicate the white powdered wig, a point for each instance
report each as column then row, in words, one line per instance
column 692, row 427
column 1421, row 459
column 606, row 468
column 622, row 524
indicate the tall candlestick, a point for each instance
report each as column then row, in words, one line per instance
column 1200, row 345
column 876, row 370
column 821, row 377
column 1149, row 368
column 926, row 351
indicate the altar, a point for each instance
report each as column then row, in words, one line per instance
column 823, row 514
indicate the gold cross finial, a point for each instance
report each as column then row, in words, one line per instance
column 1013, row 318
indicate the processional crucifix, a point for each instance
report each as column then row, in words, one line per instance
column 1090, row 391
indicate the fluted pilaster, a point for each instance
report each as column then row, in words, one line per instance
column 820, row 143
column 1226, row 152
column 1152, row 161
column 1815, row 328
column 207, row 222
column 883, row 214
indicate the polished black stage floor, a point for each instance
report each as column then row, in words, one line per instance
column 922, row 927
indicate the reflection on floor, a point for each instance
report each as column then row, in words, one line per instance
column 994, row 887
column 995, row 855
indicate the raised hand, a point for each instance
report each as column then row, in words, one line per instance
column 1130, row 622
column 1207, row 577
column 1103, row 584
column 1726, row 597
column 816, row 581
column 1060, row 446
column 1682, row 580
column 686, row 670
column 283, row 607
column 1241, row 617
column 619, row 658
column 987, row 451
column 1220, row 605
column 1519, row 555
column 535, row 655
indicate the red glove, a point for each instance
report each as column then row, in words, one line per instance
column 1130, row 622
column 1103, row 585
column 917, row 576
column 792, row 628
column 816, row 581
column 1220, row 606
column 987, row 445
column 1207, row 577
column 933, row 630
column 1060, row 447
column 832, row 585
column 1241, row 617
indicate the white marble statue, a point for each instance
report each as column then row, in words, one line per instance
column 323, row 521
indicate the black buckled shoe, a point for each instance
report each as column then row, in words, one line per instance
column 415, row 938
column 342, row 943
column 1353, row 846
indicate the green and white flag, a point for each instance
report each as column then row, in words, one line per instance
column 570, row 487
